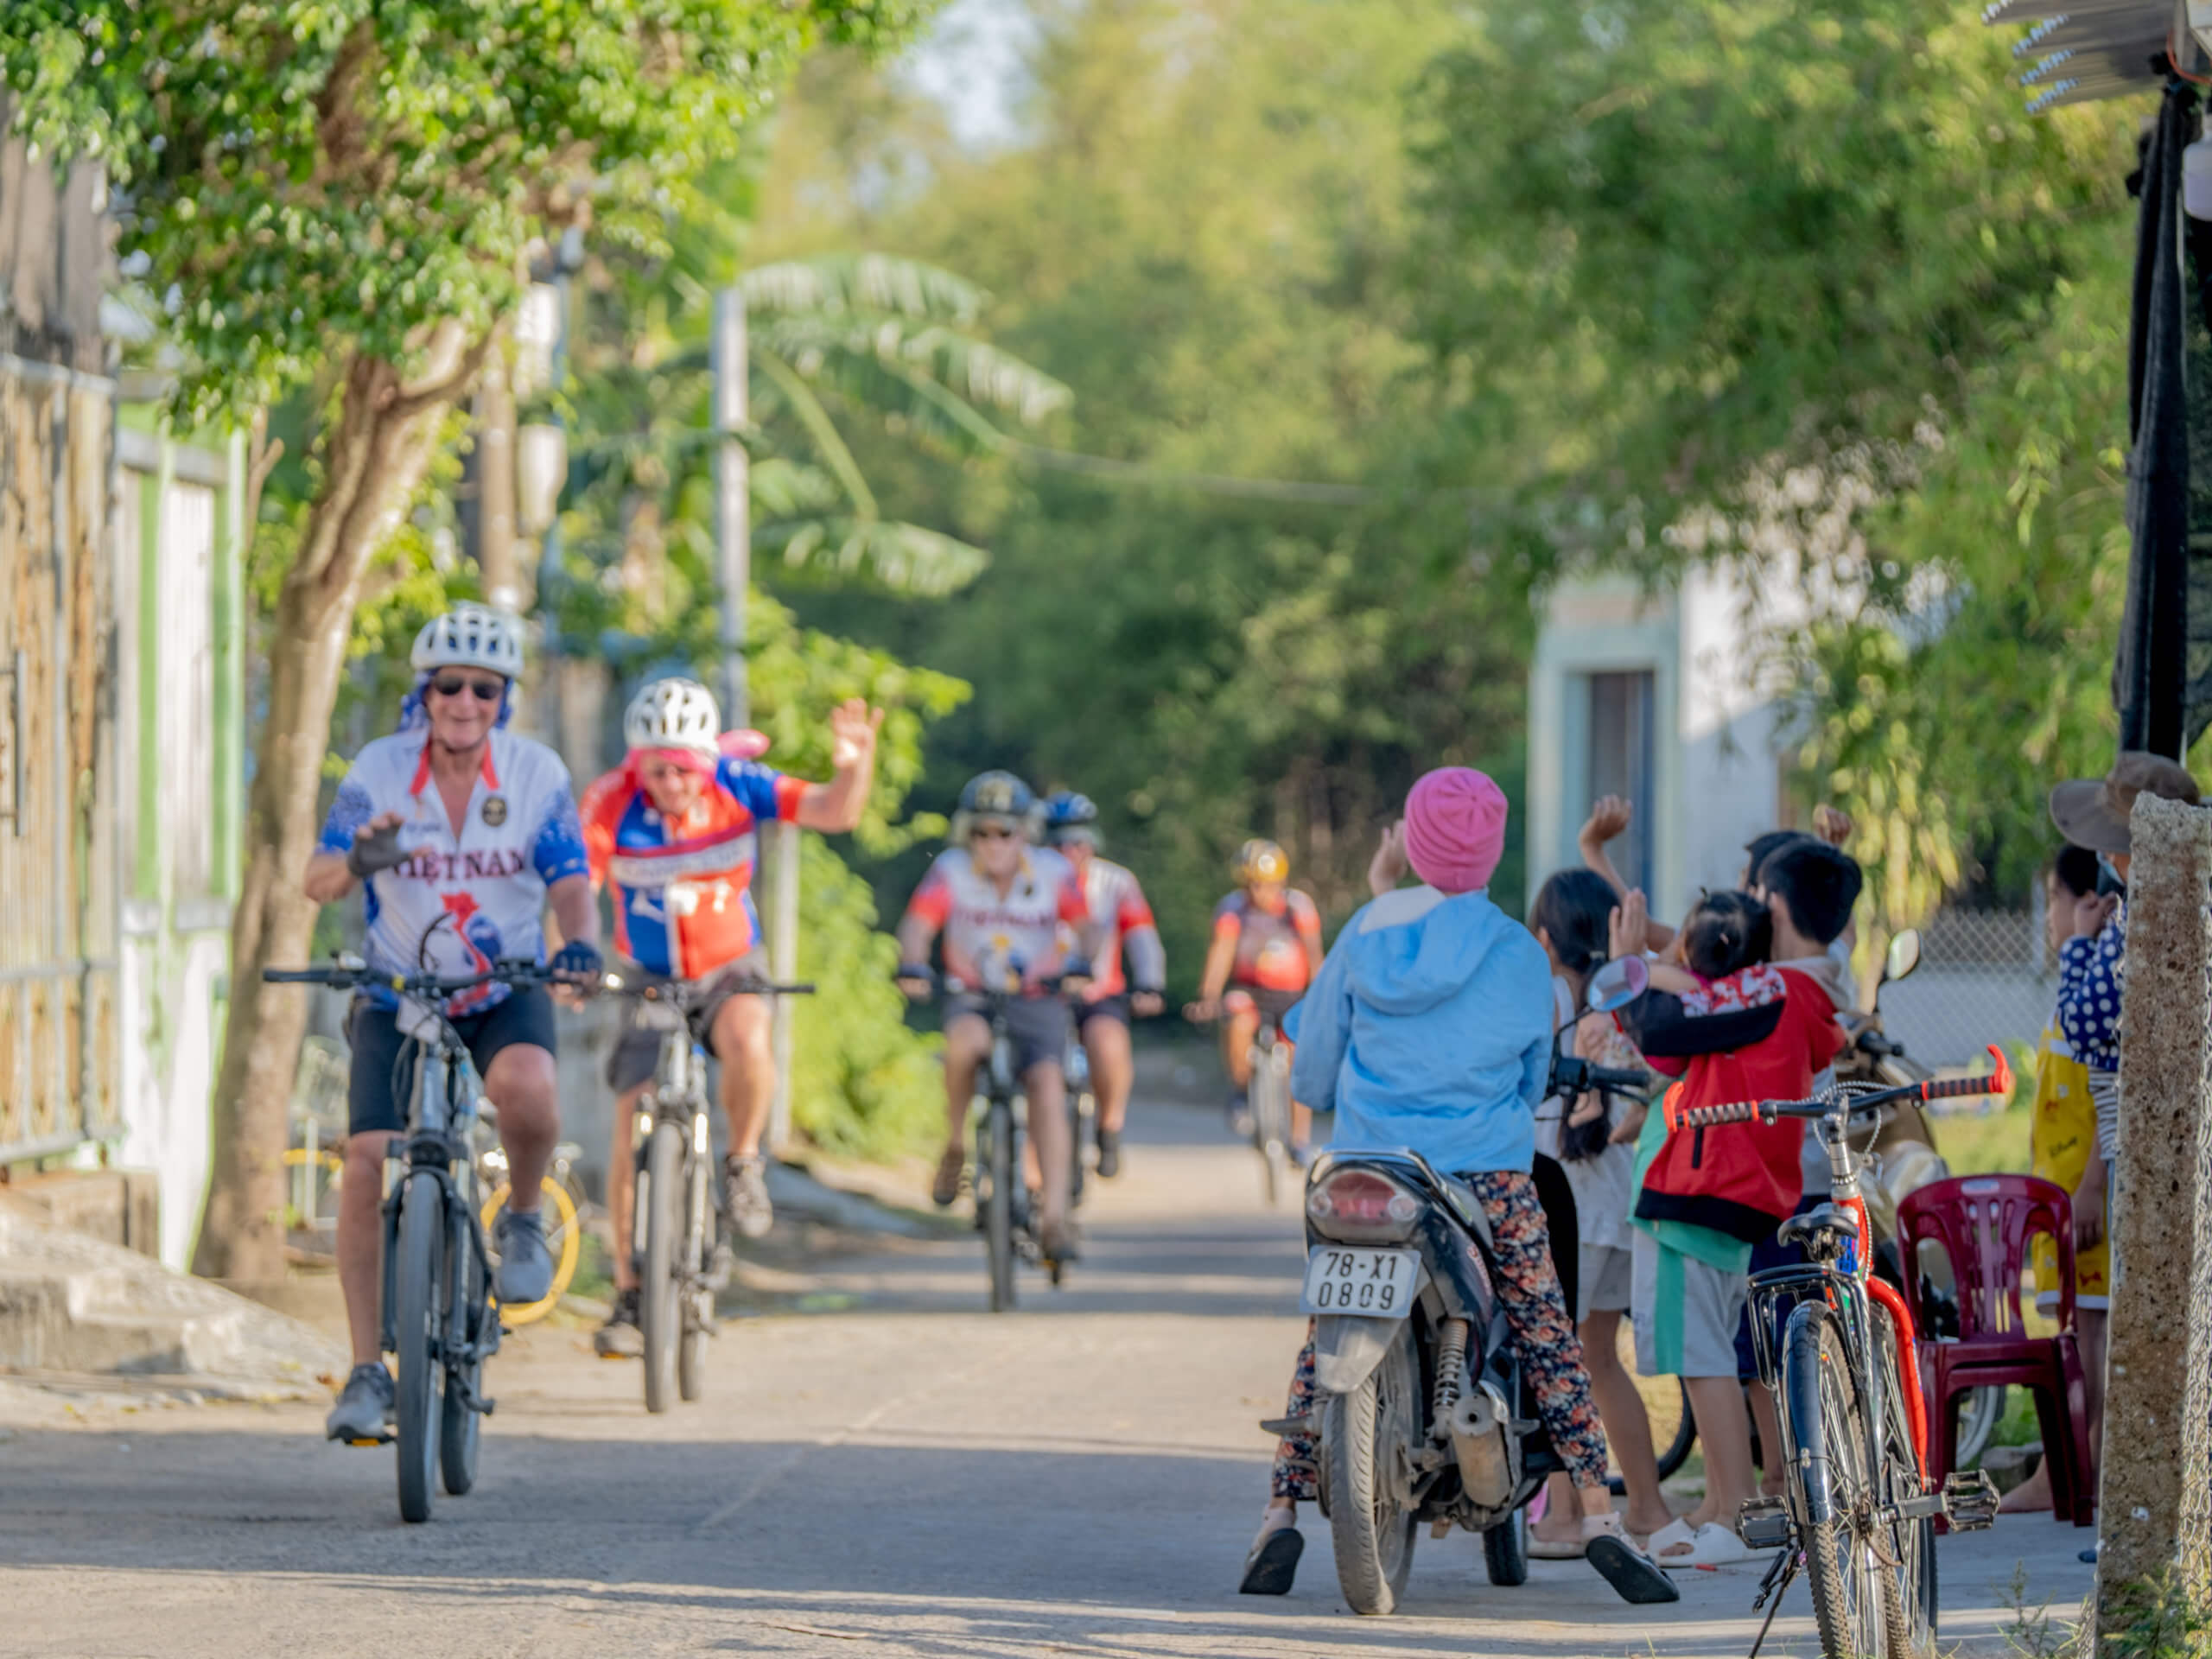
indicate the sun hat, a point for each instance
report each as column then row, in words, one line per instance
column 2093, row 813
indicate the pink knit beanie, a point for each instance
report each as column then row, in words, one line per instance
column 1455, row 829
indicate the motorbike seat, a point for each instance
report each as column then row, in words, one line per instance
column 1821, row 1219
column 1468, row 1207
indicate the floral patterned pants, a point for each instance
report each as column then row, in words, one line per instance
column 1543, row 1333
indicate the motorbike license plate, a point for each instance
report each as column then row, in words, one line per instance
column 1367, row 1284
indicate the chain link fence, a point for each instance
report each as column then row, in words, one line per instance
column 1985, row 976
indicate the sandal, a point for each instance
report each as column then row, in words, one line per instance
column 949, row 1169
column 1271, row 1564
column 1636, row 1577
column 1711, row 1545
column 1554, row 1549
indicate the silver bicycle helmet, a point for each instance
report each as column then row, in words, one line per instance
column 471, row 636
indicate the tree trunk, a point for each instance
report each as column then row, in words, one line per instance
column 374, row 460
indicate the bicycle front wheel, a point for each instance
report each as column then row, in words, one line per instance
column 1911, row 1543
column 660, row 1305
column 1271, row 1116
column 996, row 1164
column 694, row 1303
column 460, row 1426
column 1855, row 1600
column 419, row 1287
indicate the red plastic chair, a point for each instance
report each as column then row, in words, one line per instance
column 1983, row 1223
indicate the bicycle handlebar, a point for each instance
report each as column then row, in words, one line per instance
column 346, row 976
column 674, row 990
column 1999, row 1082
column 943, row 984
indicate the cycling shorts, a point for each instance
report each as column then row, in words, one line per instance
column 1270, row 1005
column 636, row 1054
column 1116, row 1007
column 1037, row 1026
column 380, row 1091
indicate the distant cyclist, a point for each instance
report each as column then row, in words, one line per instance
column 1266, row 950
column 1118, row 909
column 674, row 830
column 462, row 833
column 1001, row 903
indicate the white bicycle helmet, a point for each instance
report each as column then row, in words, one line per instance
column 674, row 714
column 471, row 636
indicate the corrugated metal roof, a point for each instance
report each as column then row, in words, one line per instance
column 2089, row 48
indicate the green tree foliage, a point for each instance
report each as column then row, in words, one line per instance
column 339, row 194
column 1677, row 245
column 1202, row 231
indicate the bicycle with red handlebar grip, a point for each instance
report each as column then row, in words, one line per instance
column 1858, row 1514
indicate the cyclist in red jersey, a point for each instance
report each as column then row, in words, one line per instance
column 1266, row 950
column 1103, row 1013
column 674, row 830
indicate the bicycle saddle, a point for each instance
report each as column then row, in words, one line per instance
column 1821, row 1219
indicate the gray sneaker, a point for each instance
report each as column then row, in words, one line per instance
column 364, row 1410
column 745, row 1196
column 525, row 1265
column 620, row 1338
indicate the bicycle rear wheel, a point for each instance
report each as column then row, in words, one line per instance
column 994, row 1163
column 660, row 1306
column 460, row 1426
column 1666, row 1404
column 1855, row 1600
column 694, row 1303
column 418, row 1382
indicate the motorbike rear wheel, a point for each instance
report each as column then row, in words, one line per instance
column 1505, row 1550
column 1363, row 1435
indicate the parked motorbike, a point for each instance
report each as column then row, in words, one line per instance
column 1425, row 1415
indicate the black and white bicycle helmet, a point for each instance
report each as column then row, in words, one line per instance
column 998, row 796
column 674, row 714
column 471, row 636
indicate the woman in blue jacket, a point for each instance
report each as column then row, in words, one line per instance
column 1429, row 1027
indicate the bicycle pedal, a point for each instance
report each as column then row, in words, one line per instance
column 1764, row 1524
column 1969, row 1500
column 1284, row 1427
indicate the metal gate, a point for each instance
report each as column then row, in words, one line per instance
column 59, row 869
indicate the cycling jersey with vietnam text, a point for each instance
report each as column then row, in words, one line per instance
column 1022, row 929
column 460, row 903
column 682, row 897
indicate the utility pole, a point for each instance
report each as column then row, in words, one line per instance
column 734, row 542
column 495, row 486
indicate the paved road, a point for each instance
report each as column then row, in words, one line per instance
column 901, row 1475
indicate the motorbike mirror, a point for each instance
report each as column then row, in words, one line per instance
column 1618, row 983
column 1905, row 954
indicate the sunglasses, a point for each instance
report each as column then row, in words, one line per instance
column 992, row 832
column 454, row 685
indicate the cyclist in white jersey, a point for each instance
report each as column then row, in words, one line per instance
column 1118, row 992
column 462, row 833
column 1001, row 903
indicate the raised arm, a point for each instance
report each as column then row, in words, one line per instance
column 834, row 808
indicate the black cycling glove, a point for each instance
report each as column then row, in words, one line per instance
column 374, row 850
column 578, row 957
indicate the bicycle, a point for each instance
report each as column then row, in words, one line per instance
column 1004, row 1214
column 1083, row 1109
column 1857, row 1516
column 1266, row 1095
column 437, row 1314
column 680, row 1263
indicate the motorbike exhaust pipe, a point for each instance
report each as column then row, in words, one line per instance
column 1483, row 1443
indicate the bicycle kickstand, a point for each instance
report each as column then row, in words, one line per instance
column 1770, row 1596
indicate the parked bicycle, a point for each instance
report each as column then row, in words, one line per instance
column 561, row 1202
column 437, row 1315
column 1858, row 1514
column 681, row 1264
